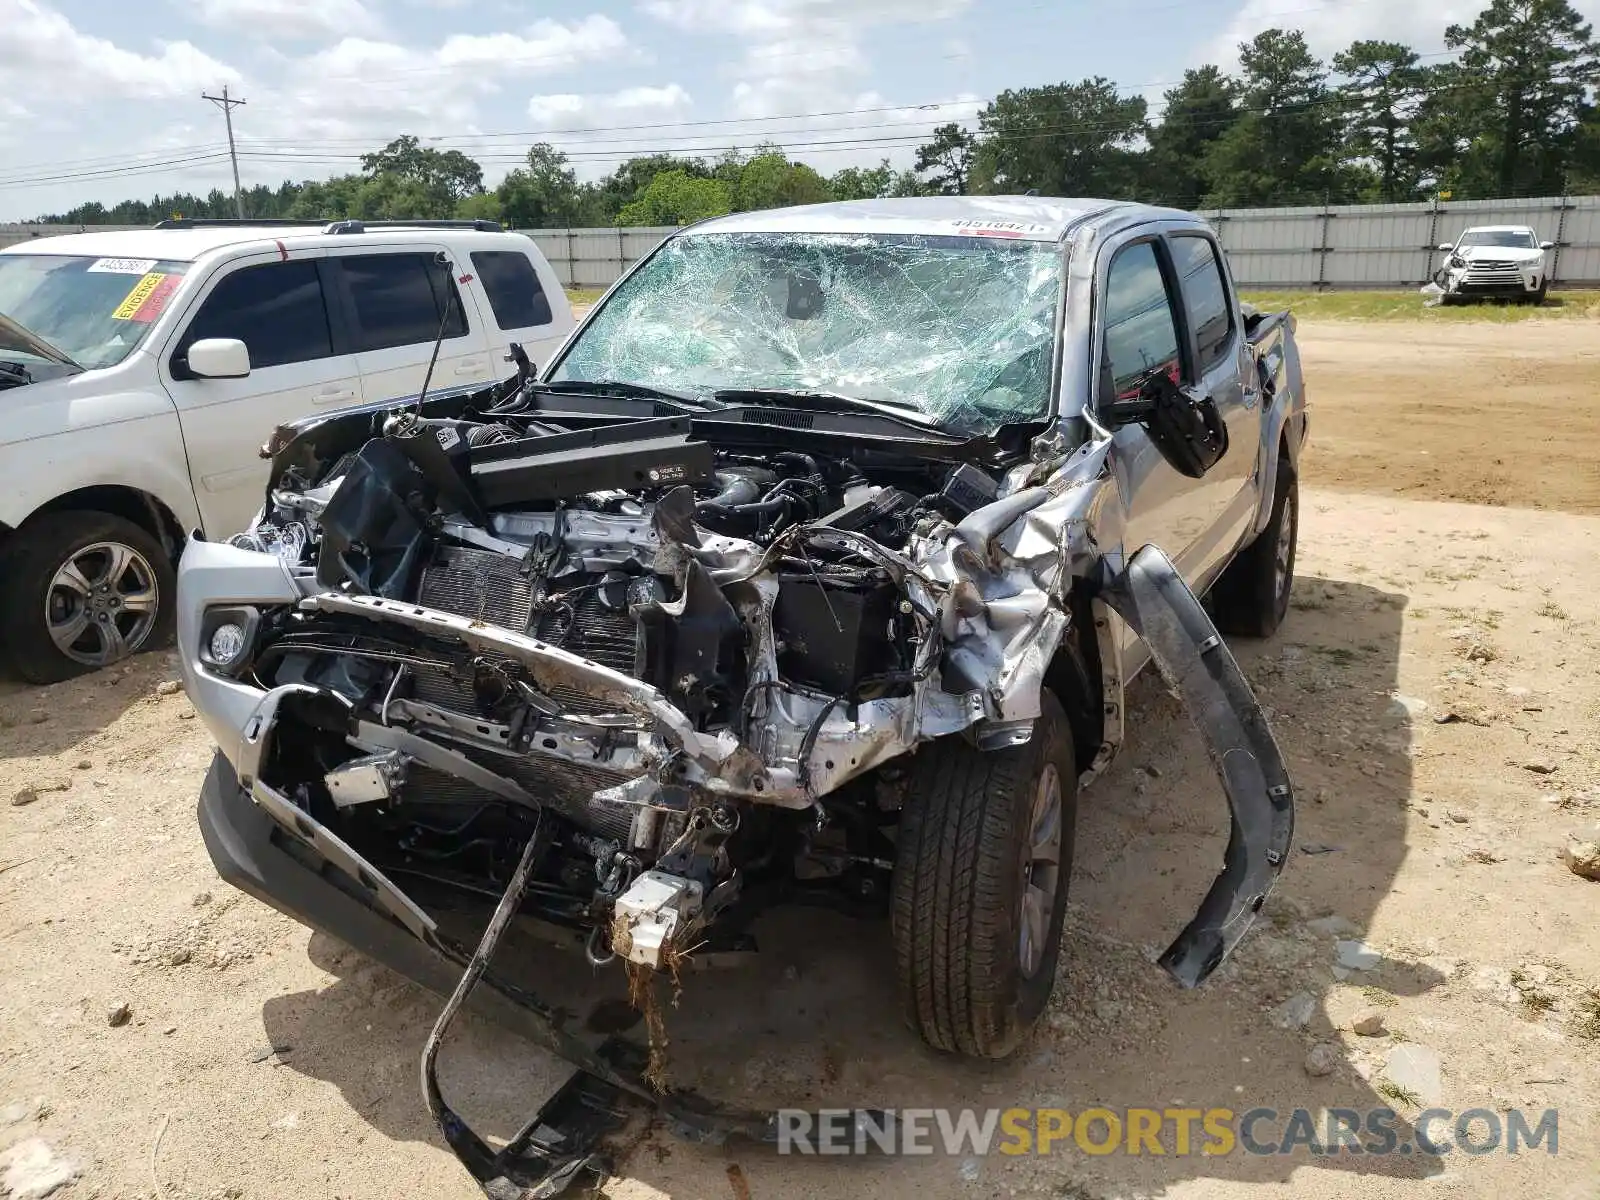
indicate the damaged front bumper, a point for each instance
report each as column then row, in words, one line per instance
column 265, row 845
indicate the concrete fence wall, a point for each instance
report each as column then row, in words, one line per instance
column 1325, row 247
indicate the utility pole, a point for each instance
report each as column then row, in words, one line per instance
column 227, row 106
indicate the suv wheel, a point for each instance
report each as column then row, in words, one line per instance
column 83, row 590
column 983, row 859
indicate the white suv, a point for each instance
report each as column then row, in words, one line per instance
column 140, row 372
column 1495, row 260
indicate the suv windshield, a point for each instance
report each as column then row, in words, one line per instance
column 94, row 310
column 959, row 330
column 1514, row 239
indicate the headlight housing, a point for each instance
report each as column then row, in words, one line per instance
column 1457, row 261
column 287, row 541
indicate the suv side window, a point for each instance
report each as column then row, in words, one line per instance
column 1205, row 297
column 1141, row 330
column 400, row 299
column 514, row 291
column 276, row 309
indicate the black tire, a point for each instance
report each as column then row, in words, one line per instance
column 1537, row 298
column 1251, row 597
column 963, row 860
column 30, row 594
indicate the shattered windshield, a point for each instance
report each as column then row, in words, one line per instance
column 957, row 330
column 1511, row 239
column 94, row 310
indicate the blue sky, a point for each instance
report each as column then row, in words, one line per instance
column 89, row 87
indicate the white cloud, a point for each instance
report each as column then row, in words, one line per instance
column 289, row 18
column 630, row 104
column 544, row 46
column 365, row 87
column 805, row 56
column 41, row 48
column 1329, row 29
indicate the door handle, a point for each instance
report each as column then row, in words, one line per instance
column 333, row 395
column 471, row 367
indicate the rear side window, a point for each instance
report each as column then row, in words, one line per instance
column 1141, row 329
column 277, row 310
column 1204, row 296
column 514, row 291
column 400, row 299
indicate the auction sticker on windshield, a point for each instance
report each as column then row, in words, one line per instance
column 122, row 266
column 1006, row 229
column 148, row 298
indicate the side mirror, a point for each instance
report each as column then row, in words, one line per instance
column 219, row 358
column 1547, row 245
column 1446, row 246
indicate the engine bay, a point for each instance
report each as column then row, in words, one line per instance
column 696, row 645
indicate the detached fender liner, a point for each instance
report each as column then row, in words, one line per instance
column 1192, row 657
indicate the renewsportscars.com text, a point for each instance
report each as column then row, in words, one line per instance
column 1176, row 1132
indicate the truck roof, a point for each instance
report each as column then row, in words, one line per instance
column 187, row 242
column 1032, row 218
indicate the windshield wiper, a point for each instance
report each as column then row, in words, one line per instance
column 821, row 401
column 13, row 374
column 15, row 336
column 621, row 387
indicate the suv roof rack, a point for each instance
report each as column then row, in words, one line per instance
column 481, row 225
column 348, row 226
column 224, row 222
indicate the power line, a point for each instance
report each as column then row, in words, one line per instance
column 227, row 106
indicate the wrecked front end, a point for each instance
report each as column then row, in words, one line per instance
column 642, row 677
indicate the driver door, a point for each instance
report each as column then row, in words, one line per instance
column 1143, row 327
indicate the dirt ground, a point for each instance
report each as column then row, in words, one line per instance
column 1481, row 413
column 1434, row 689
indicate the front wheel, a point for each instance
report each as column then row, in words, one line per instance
column 983, row 859
column 80, row 591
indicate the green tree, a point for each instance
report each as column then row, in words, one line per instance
column 946, row 161
column 1195, row 113
column 677, row 198
column 1068, row 139
column 628, row 182
column 448, row 174
column 485, row 206
column 1539, row 58
column 770, row 180
column 1381, row 95
column 543, row 195
column 1284, row 148
column 1452, row 154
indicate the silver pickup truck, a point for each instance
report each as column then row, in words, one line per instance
column 813, row 569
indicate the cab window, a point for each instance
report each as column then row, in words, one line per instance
column 1141, row 327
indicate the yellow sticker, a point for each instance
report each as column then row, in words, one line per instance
column 141, row 293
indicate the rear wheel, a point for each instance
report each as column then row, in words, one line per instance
column 80, row 591
column 983, row 860
column 1252, row 596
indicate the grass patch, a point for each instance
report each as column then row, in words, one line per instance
column 1407, row 306
column 1376, row 995
column 1338, row 654
column 1552, row 610
column 1586, row 1024
column 1391, row 1090
column 583, row 295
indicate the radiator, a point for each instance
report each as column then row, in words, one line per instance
column 491, row 587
